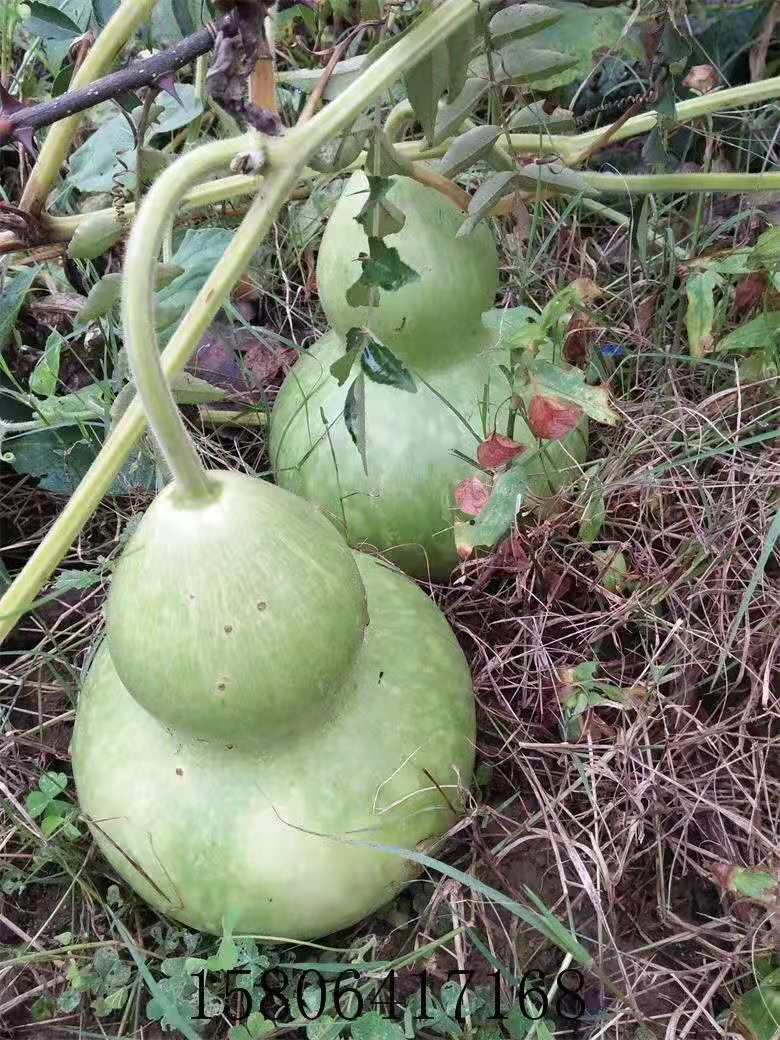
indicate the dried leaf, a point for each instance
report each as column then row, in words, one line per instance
column 471, row 496
column 748, row 293
column 496, row 451
column 552, row 418
column 569, row 384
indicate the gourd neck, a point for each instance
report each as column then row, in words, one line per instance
column 141, row 341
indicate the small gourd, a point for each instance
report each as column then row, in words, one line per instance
column 266, row 702
column 417, row 444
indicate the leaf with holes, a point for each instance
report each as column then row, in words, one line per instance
column 384, row 269
column 378, row 216
column 468, row 148
column 700, row 313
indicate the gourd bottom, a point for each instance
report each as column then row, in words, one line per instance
column 270, row 835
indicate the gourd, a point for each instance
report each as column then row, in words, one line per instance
column 266, row 703
column 418, row 445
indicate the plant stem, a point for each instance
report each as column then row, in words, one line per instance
column 117, row 31
column 138, row 314
column 668, row 183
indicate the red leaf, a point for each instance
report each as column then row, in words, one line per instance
column 471, row 496
column 748, row 293
column 551, row 418
column 496, row 451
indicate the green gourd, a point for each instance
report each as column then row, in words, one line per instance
column 266, row 702
column 440, row 328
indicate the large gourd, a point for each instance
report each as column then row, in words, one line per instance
column 266, row 703
column 440, row 327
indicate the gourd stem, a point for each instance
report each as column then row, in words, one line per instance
column 122, row 24
column 143, row 248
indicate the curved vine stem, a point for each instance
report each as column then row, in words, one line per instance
column 286, row 159
column 119, row 28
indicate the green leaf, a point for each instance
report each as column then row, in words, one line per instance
column 11, row 299
column 108, row 156
column 458, row 51
column 468, row 149
column 519, row 21
column 67, row 580
column 756, row 1015
column 340, row 369
column 520, row 62
column 355, row 415
column 50, row 23
column 95, row 236
column 534, row 119
column 593, row 514
column 585, row 34
column 344, row 75
column 569, row 385
column 613, row 568
column 50, row 786
column 490, row 192
column 190, row 389
column 59, row 458
column 373, row 1026
column 382, row 366
column 761, row 333
column 555, row 176
column 226, row 957
column 379, row 217
column 506, row 499
column 255, row 1027
column 425, row 83
column 197, row 255
column 102, row 298
column 700, row 313
column 43, row 378
column 383, row 268
column 383, row 160
column 341, row 151
column 451, row 115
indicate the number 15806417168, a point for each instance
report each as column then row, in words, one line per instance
column 284, row 995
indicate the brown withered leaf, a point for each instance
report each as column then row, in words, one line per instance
column 701, row 79
column 748, row 293
column 552, row 418
column 471, row 496
column 579, row 336
column 264, row 361
column 496, row 451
